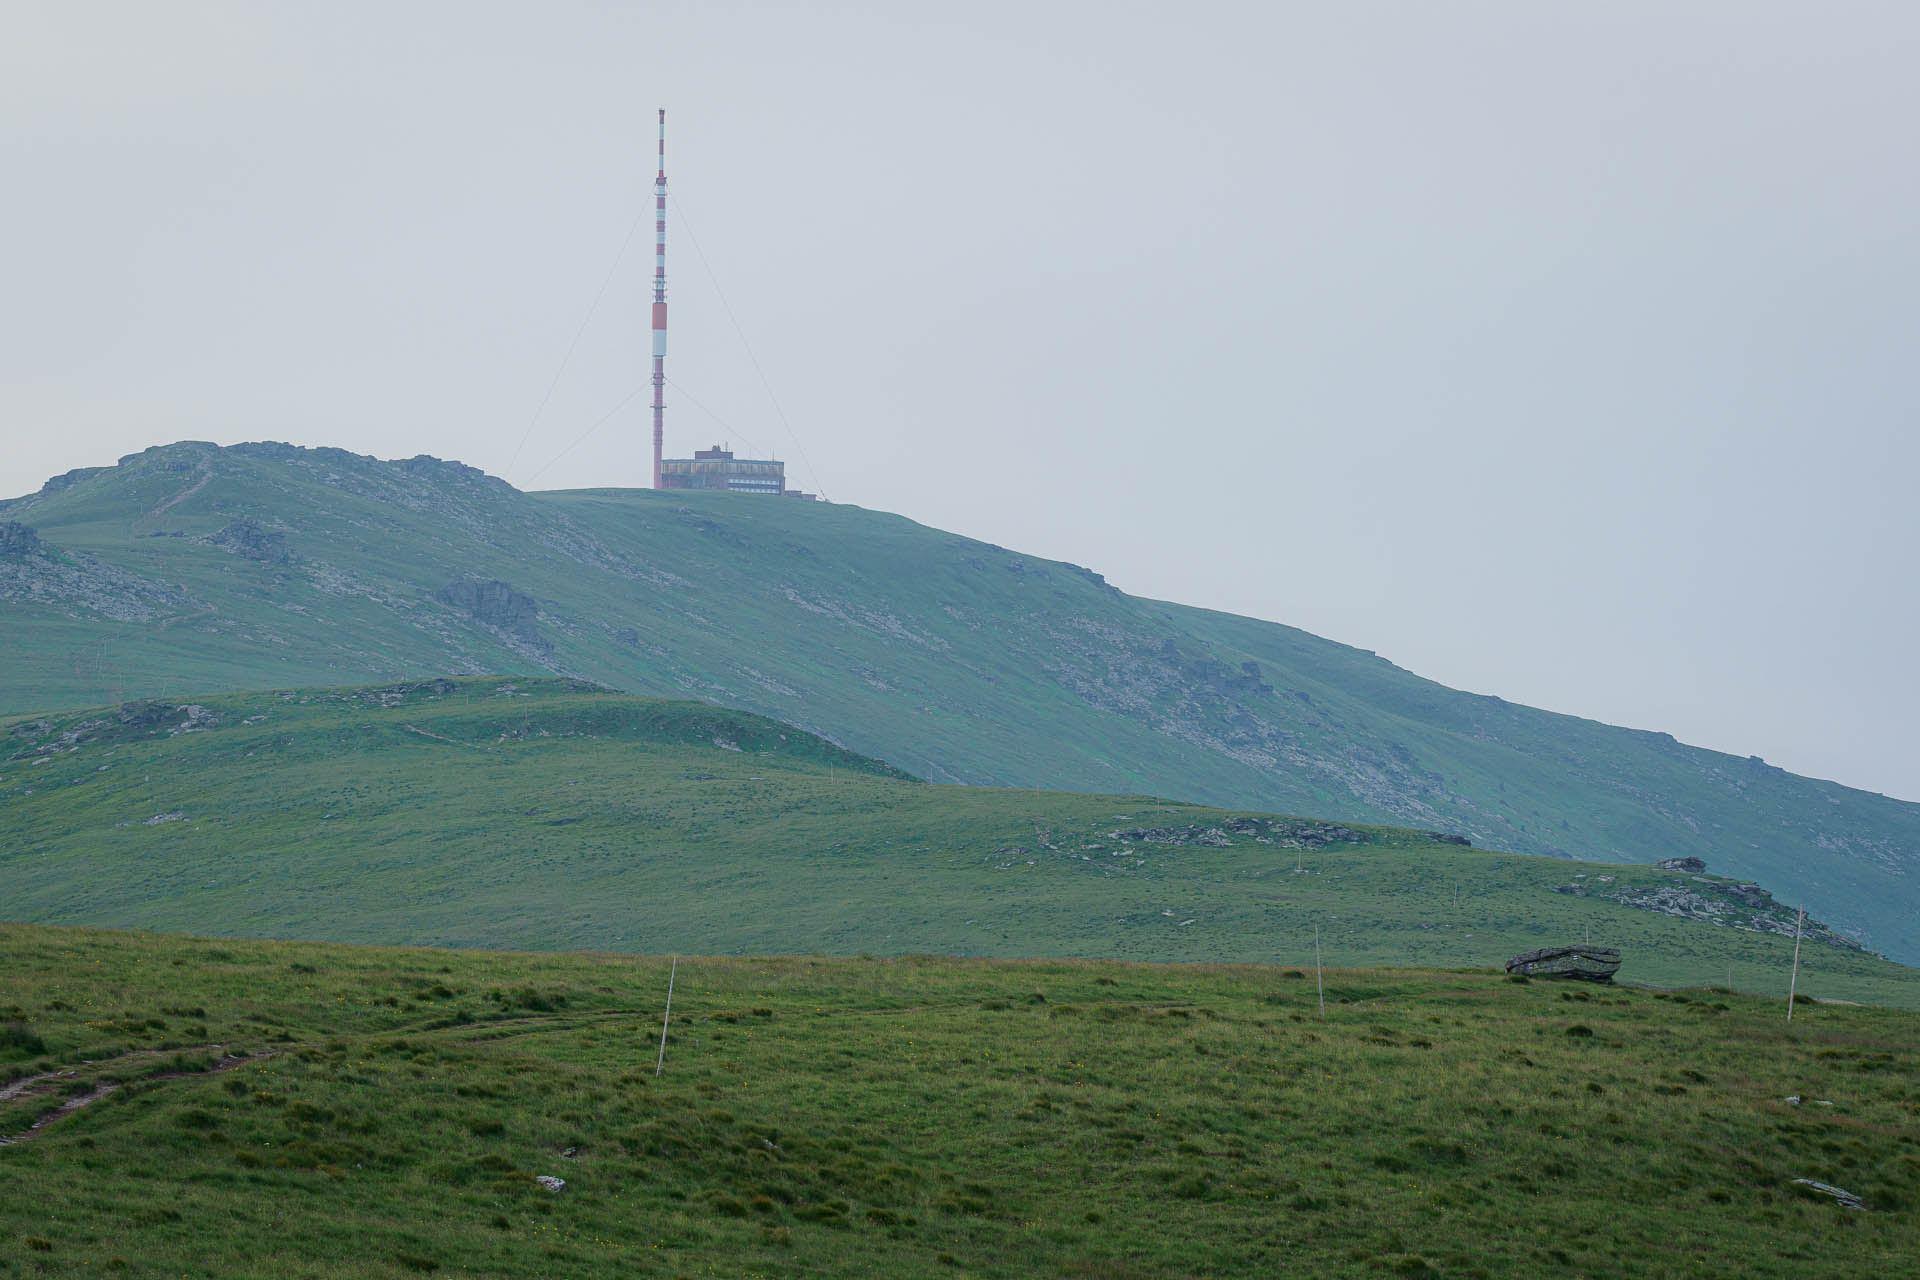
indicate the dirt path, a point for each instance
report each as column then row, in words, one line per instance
column 441, row 738
column 66, row 1108
column 23, row 1088
column 206, row 474
column 20, row 1088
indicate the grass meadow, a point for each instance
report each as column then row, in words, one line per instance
column 279, row 1109
column 545, row 815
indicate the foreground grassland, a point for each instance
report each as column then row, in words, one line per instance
column 546, row 814
column 921, row 1116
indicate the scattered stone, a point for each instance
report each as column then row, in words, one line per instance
column 160, row 818
column 197, row 718
column 550, row 1182
column 1793, row 1100
column 1845, row 1199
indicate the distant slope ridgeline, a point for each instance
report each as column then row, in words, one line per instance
column 544, row 813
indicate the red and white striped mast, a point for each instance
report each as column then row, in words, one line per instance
column 660, row 302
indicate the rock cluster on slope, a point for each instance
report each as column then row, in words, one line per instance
column 1735, row 904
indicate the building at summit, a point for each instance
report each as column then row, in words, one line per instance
column 717, row 468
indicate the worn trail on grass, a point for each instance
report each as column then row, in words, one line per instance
column 22, row 1088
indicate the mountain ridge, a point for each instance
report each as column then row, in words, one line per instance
column 191, row 567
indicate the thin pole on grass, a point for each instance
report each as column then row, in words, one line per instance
column 1318, row 980
column 1794, row 982
column 661, row 1062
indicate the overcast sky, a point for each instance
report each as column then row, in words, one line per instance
column 1560, row 351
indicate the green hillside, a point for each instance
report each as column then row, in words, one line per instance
column 544, row 813
column 190, row 569
column 248, row 1109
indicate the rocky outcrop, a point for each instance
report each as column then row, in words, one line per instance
column 36, row 572
column 130, row 722
column 1694, row 865
column 1288, row 833
column 1213, row 678
column 423, row 464
column 150, row 716
column 395, row 695
column 1186, row 691
column 1734, row 904
column 514, row 614
column 250, row 539
column 426, row 466
column 17, row 541
column 67, row 479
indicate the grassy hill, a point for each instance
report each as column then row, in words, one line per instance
column 191, row 569
column 545, row 813
column 289, row 1110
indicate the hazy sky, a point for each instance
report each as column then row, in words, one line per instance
column 1561, row 351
